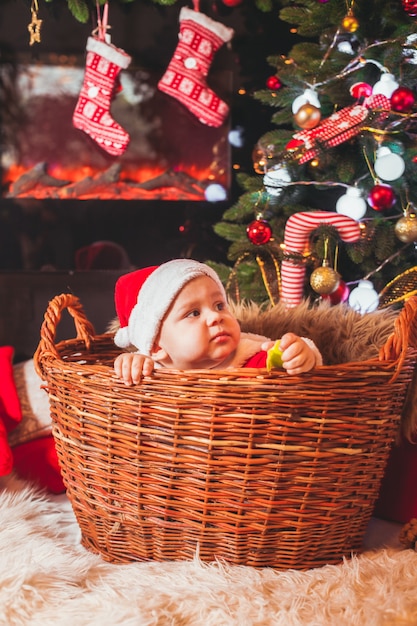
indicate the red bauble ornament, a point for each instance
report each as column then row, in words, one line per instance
column 232, row 3
column 410, row 7
column 360, row 90
column 402, row 100
column 259, row 232
column 381, row 197
column 274, row 83
column 340, row 294
column 293, row 144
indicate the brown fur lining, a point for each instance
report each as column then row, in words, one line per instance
column 340, row 333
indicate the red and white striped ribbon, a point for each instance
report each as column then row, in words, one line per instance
column 341, row 126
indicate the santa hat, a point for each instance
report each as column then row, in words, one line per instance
column 143, row 297
column 102, row 255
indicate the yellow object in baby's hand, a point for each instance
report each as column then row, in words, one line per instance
column 274, row 356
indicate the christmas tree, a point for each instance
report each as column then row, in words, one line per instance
column 330, row 208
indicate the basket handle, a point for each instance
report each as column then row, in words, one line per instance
column 85, row 330
column 403, row 336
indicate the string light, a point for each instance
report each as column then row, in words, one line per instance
column 355, row 64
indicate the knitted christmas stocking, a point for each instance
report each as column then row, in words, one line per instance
column 185, row 78
column 92, row 112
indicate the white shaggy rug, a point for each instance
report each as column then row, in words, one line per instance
column 48, row 579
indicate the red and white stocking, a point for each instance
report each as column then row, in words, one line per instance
column 185, row 78
column 92, row 112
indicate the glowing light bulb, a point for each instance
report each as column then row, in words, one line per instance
column 215, row 193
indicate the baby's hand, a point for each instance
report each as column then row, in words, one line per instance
column 297, row 355
column 131, row 366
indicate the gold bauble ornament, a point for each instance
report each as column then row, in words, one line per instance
column 307, row 116
column 350, row 24
column 324, row 280
column 406, row 228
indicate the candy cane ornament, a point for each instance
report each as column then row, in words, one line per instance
column 297, row 235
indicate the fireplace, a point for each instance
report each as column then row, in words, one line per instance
column 171, row 155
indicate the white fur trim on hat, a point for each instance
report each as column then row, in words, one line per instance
column 156, row 296
column 121, row 338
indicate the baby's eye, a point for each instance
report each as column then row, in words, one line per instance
column 193, row 313
column 220, row 306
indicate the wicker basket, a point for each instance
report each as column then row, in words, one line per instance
column 256, row 468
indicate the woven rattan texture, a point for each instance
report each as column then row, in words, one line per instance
column 258, row 469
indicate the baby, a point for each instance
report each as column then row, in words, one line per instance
column 176, row 315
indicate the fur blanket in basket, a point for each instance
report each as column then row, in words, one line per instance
column 341, row 334
column 353, row 337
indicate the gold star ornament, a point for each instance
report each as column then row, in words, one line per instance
column 34, row 27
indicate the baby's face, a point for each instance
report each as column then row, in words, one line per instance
column 199, row 331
